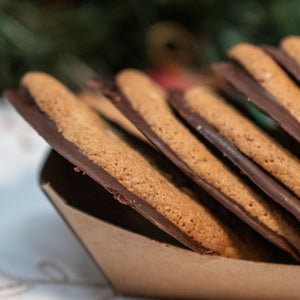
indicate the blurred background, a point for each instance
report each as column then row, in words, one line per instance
column 171, row 39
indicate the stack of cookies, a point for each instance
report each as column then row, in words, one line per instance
column 209, row 176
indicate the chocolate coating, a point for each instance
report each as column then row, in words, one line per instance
column 26, row 106
column 244, row 83
column 115, row 94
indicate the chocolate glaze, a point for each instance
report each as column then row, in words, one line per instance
column 266, row 183
column 286, row 61
column 113, row 92
column 244, row 83
column 26, row 106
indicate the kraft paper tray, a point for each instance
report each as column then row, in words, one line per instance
column 139, row 259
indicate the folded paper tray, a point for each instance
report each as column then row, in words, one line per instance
column 139, row 259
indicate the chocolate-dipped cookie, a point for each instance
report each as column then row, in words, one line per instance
column 144, row 103
column 291, row 46
column 269, row 75
column 264, row 83
column 244, row 143
column 288, row 55
column 102, row 105
column 83, row 138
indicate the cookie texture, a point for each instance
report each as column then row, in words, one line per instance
column 149, row 100
column 248, row 137
column 269, row 75
column 102, row 105
column 83, row 127
column 291, row 45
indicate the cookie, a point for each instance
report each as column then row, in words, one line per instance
column 106, row 109
column 288, row 55
column 291, row 46
column 82, row 137
column 269, row 75
column 280, row 90
column 238, row 78
column 243, row 143
column 143, row 102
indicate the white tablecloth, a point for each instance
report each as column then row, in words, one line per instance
column 39, row 256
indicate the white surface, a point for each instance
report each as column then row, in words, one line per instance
column 39, row 256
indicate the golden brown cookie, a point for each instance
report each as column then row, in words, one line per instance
column 288, row 55
column 248, row 137
column 291, row 45
column 102, row 105
column 269, row 75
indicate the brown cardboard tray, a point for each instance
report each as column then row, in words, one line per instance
column 139, row 259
